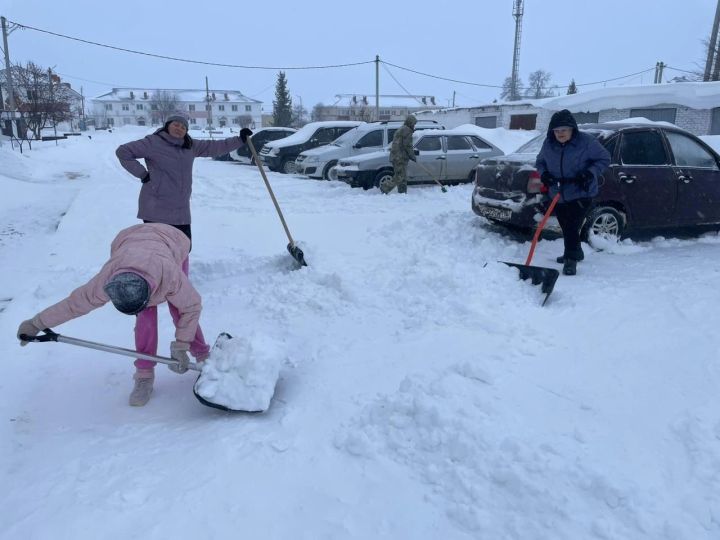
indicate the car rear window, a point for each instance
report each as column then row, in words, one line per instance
column 429, row 144
column 457, row 142
column 688, row 153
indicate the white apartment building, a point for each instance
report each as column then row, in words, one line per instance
column 139, row 106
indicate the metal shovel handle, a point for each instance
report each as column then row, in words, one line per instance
column 432, row 176
column 49, row 335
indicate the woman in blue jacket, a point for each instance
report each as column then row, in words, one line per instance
column 570, row 163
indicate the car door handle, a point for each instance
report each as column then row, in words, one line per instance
column 440, row 157
column 474, row 156
column 627, row 178
column 685, row 179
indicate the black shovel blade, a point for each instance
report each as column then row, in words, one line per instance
column 539, row 276
column 297, row 254
column 218, row 343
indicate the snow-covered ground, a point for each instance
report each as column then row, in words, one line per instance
column 424, row 393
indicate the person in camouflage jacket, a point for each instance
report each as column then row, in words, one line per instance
column 401, row 152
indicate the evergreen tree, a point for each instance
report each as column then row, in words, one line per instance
column 572, row 89
column 282, row 105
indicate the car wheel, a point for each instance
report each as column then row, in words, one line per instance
column 288, row 165
column 604, row 223
column 327, row 169
column 382, row 177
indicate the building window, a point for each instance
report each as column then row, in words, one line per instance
column 656, row 115
column 125, row 107
column 248, row 108
column 191, row 108
column 489, row 122
column 234, row 108
column 586, row 117
column 523, row 121
column 715, row 122
column 153, row 107
column 221, row 107
column 108, row 106
column 139, row 106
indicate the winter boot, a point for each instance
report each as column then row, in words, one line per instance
column 580, row 256
column 402, row 188
column 569, row 267
column 140, row 394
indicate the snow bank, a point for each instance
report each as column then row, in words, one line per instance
column 241, row 373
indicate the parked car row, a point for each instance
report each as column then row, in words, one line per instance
column 447, row 156
column 660, row 177
column 319, row 162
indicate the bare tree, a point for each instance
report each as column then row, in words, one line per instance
column 299, row 115
column 245, row 120
column 509, row 93
column 163, row 103
column 539, row 85
column 40, row 97
column 317, row 112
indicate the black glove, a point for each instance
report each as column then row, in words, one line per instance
column 584, row 179
column 244, row 134
column 547, row 179
column 145, row 179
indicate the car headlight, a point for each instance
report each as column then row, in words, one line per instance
column 274, row 151
column 311, row 159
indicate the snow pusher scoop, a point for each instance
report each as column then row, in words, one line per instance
column 222, row 340
column 538, row 274
column 292, row 247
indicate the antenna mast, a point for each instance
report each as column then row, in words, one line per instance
column 517, row 14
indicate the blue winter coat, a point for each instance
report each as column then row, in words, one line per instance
column 566, row 161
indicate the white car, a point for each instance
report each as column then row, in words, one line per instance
column 371, row 137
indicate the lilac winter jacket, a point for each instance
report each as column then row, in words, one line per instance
column 166, row 197
column 152, row 250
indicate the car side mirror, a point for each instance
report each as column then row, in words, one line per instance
column 417, row 152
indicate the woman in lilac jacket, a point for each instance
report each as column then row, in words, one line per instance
column 165, row 198
column 144, row 270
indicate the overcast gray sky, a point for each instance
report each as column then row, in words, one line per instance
column 469, row 41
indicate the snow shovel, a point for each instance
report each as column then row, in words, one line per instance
column 49, row 335
column 443, row 188
column 294, row 250
column 538, row 274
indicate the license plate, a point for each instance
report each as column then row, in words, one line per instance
column 502, row 214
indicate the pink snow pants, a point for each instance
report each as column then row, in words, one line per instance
column 146, row 334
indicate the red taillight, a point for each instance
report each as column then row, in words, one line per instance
column 534, row 184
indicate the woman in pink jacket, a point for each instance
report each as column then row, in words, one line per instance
column 145, row 269
column 166, row 179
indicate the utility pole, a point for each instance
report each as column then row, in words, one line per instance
column 8, row 74
column 659, row 67
column 453, row 99
column 52, row 105
column 209, row 106
column 712, row 65
column 377, row 87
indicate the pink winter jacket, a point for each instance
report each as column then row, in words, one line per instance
column 152, row 250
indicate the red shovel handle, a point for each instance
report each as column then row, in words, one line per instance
column 535, row 239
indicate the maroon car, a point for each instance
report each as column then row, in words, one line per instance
column 660, row 177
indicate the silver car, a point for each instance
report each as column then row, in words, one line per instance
column 448, row 156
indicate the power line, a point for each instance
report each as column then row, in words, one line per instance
column 495, row 86
column 186, row 60
column 400, row 85
column 682, row 70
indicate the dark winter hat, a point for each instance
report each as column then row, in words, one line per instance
column 177, row 118
column 128, row 292
column 410, row 121
column 562, row 118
